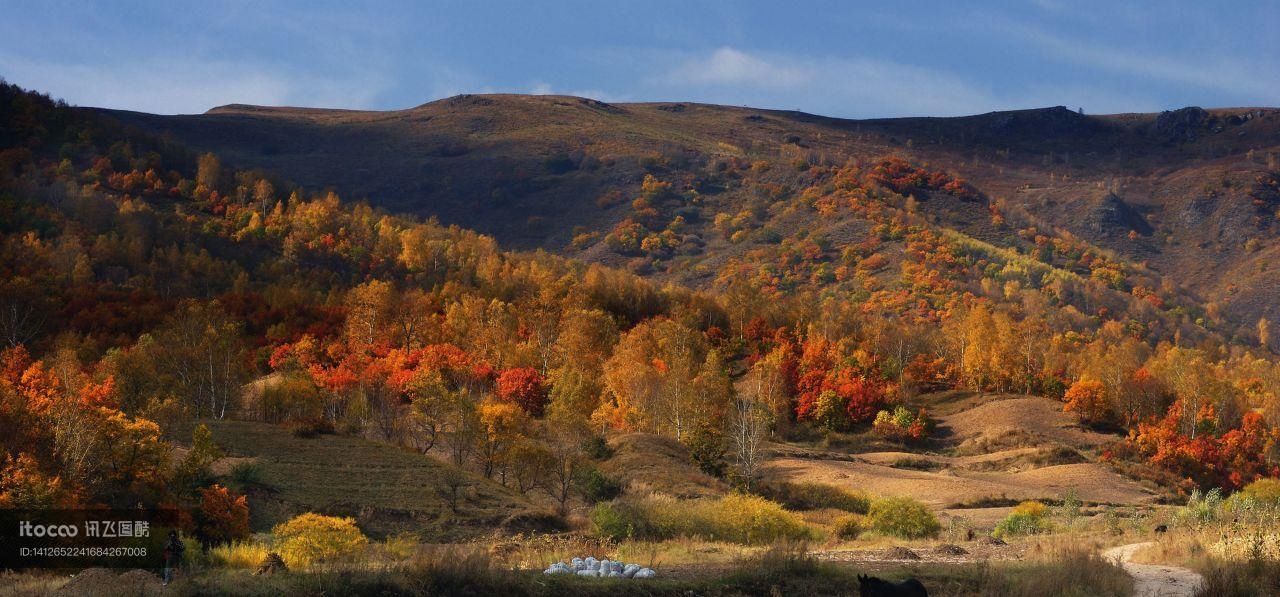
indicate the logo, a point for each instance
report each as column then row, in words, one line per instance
column 26, row 529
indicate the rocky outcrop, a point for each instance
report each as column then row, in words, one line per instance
column 1111, row 215
column 1181, row 125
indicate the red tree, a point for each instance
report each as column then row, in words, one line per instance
column 523, row 386
column 223, row 515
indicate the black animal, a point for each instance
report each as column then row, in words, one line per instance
column 1162, row 529
column 870, row 586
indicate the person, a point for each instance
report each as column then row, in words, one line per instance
column 172, row 555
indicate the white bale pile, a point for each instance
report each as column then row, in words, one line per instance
column 590, row 566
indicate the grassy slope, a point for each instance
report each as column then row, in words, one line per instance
column 645, row 462
column 385, row 487
column 992, row 449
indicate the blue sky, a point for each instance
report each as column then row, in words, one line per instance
column 850, row 59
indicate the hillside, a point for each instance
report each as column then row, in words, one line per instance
column 1178, row 199
column 387, row 490
column 852, row 304
column 989, row 457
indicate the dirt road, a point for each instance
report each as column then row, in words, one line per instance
column 1154, row 580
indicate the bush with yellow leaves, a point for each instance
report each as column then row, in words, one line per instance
column 310, row 539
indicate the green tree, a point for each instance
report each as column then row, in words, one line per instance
column 195, row 470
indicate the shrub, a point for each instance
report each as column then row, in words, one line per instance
column 750, row 519
column 310, row 428
column 238, row 554
column 813, row 496
column 902, row 517
column 1263, row 490
column 613, row 522
column 596, row 487
column 903, row 425
column 849, row 526
column 400, row 546
column 707, row 449
column 1070, row 508
column 596, row 448
column 194, row 471
column 1027, row 518
column 313, row 538
column 1031, row 508
column 292, row 398
column 248, row 474
column 193, row 551
column 1201, row 507
column 559, row 164
column 736, row 518
column 223, row 515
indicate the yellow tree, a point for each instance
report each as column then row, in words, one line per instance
column 369, row 307
column 694, row 384
column 209, row 171
column 501, row 425
column 655, row 374
column 1088, row 399
column 264, row 194
column 631, row 377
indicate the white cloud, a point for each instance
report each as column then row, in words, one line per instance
column 729, row 66
column 845, row 86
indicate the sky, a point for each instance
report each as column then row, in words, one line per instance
column 849, row 59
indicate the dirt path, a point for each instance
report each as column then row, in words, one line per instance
column 1154, row 580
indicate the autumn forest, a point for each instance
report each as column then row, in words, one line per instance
column 727, row 303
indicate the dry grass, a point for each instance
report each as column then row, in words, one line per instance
column 645, row 462
column 537, row 551
column 1063, row 571
column 940, row 489
column 1241, row 578
column 30, row 583
column 240, row 554
column 997, row 443
column 1039, row 418
column 683, row 551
